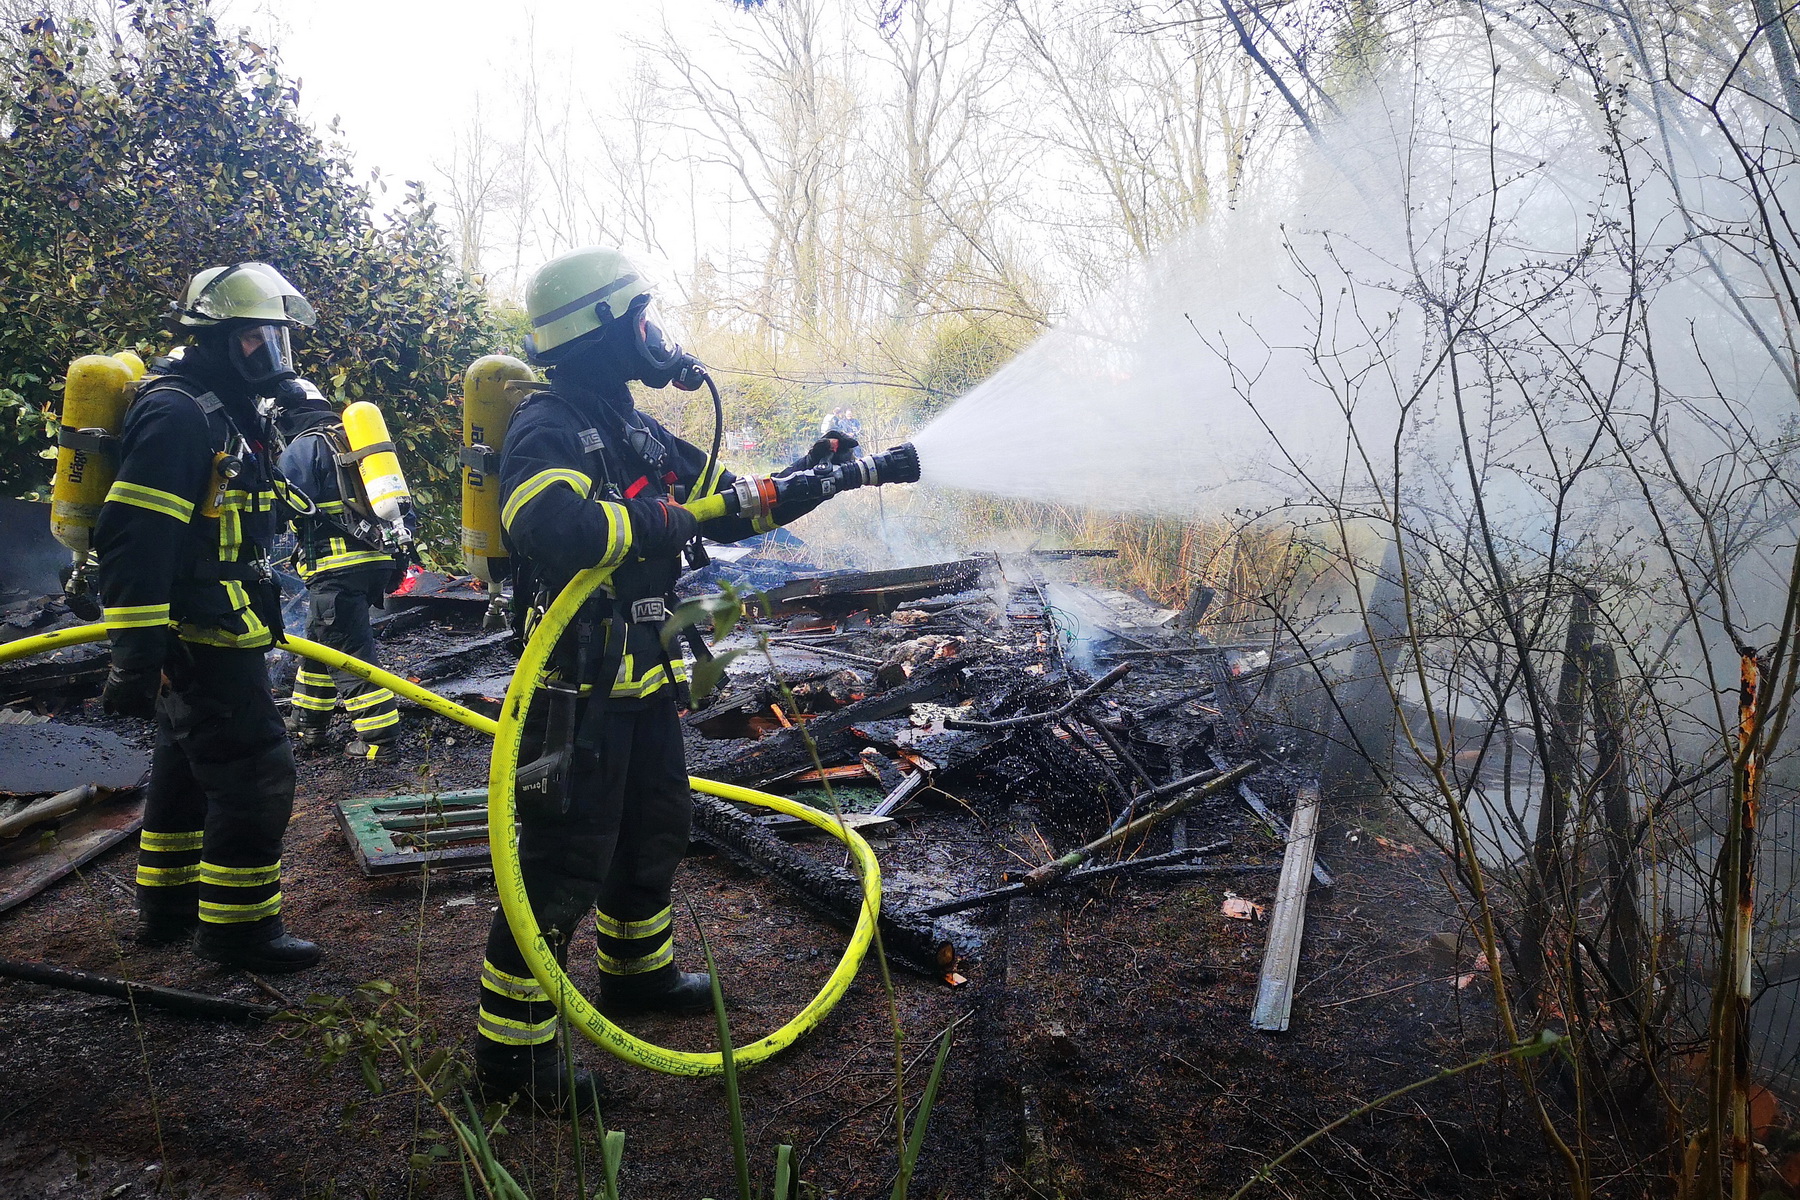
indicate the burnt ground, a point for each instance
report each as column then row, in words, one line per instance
column 1102, row 1041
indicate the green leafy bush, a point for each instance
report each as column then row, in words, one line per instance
column 127, row 166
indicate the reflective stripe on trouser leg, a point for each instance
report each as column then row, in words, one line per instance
column 168, row 866
column 515, row 1011
column 338, row 617
column 627, row 947
column 314, row 695
column 230, row 732
column 372, row 711
column 238, row 895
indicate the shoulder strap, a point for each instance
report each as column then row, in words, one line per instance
column 592, row 444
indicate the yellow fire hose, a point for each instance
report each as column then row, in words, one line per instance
column 503, row 835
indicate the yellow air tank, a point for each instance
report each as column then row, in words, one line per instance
column 382, row 479
column 488, row 406
column 132, row 362
column 93, row 410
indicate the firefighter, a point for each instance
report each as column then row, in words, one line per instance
column 183, row 543
column 588, row 480
column 345, row 576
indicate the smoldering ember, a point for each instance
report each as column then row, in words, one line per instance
column 1009, row 599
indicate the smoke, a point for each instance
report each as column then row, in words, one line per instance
column 1473, row 302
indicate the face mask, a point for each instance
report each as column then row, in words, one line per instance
column 660, row 359
column 262, row 354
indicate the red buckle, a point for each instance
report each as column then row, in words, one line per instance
column 643, row 481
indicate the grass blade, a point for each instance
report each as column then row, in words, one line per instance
column 784, row 1172
column 916, row 1141
column 740, row 1154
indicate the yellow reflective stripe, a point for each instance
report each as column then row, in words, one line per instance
column 762, row 523
column 613, row 927
column 618, row 534
column 341, row 559
column 313, row 703
column 516, row 1033
column 636, row 966
column 137, row 616
column 167, row 876
column 165, row 842
column 235, row 914
column 513, row 987
column 331, row 506
column 368, row 700
column 219, row 876
column 317, row 678
column 708, row 482
column 629, row 685
column 371, row 724
column 154, row 499
column 528, row 491
column 231, row 535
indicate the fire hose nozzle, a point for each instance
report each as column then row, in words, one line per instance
column 758, row 497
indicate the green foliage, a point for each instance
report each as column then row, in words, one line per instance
column 962, row 356
column 128, row 167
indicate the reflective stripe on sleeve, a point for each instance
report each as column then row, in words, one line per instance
column 528, row 491
column 137, row 616
column 154, row 499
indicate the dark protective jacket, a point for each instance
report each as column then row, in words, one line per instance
column 576, row 492
column 178, row 544
column 309, row 466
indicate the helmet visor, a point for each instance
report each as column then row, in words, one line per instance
column 262, row 353
column 656, row 342
column 252, row 291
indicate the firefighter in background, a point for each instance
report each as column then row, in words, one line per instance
column 345, row 576
column 183, row 542
column 588, row 480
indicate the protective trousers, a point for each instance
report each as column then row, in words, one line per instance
column 221, row 791
column 624, row 834
column 338, row 616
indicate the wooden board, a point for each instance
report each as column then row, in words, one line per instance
column 399, row 835
column 31, row 863
column 41, row 760
column 1287, row 923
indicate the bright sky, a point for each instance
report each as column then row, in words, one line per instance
column 409, row 76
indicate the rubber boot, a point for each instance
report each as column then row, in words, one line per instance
column 269, row 949
column 163, row 929
column 309, row 734
column 666, row 989
column 371, row 751
column 535, row 1077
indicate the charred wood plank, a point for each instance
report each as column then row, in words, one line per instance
column 784, row 754
column 831, row 891
column 190, row 1004
column 1320, row 875
column 981, row 899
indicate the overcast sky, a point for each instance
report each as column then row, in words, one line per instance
column 407, row 79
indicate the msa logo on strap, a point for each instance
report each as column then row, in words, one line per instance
column 590, row 441
column 649, row 611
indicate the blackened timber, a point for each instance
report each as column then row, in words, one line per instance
column 786, row 753
column 829, row 890
column 191, row 1004
column 980, row 899
column 1231, row 734
column 1320, row 875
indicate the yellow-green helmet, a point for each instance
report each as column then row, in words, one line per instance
column 249, row 291
column 577, row 293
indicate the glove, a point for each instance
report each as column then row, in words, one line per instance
column 661, row 527
column 835, row 448
column 131, row 692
